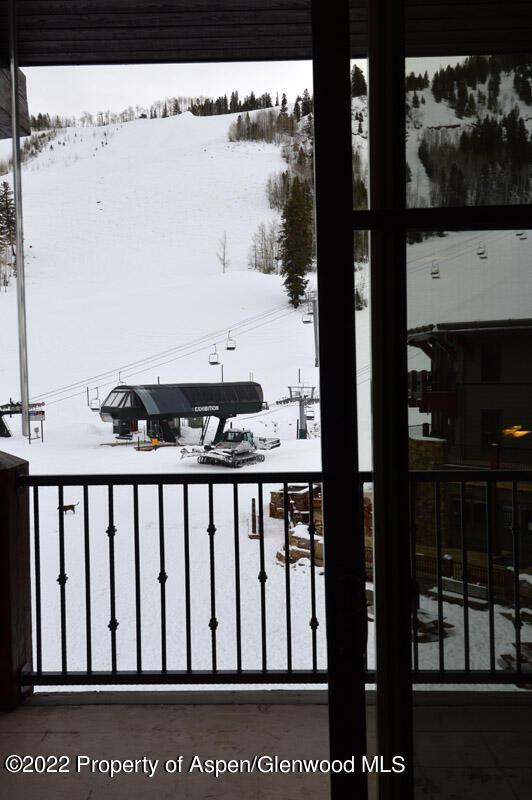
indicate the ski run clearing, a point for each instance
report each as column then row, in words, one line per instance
column 122, row 229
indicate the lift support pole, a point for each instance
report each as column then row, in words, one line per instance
column 17, row 191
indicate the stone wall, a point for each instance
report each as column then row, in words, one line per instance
column 429, row 454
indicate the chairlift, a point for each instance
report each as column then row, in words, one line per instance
column 213, row 357
column 481, row 251
column 309, row 413
column 94, row 403
column 307, row 318
column 230, row 343
column 435, row 270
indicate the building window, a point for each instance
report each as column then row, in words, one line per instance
column 490, row 427
column 490, row 363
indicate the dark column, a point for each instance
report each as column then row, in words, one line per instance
column 389, row 393
column 218, row 436
column 342, row 503
column 15, row 587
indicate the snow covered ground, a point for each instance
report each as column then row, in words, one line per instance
column 122, row 229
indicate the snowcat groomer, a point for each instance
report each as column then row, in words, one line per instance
column 236, row 448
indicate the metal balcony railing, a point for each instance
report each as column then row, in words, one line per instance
column 158, row 582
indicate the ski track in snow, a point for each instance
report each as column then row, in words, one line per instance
column 121, row 243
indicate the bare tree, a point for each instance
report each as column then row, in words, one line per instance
column 264, row 250
column 221, row 255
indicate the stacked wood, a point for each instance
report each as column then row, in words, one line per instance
column 299, row 518
column 299, row 507
column 300, row 546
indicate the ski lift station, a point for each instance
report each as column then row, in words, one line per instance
column 164, row 405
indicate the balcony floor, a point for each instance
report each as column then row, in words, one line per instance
column 472, row 747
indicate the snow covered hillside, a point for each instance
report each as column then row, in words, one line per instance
column 122, row 230
column 440, row 123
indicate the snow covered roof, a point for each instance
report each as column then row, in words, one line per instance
column 55, row 32
column 429, row 331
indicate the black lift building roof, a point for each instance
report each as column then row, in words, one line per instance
column 171, row 400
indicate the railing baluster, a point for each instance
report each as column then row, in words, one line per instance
column 491, row 505
column 441, row 654
column 262, row 580
column 465, row 576
column 286, row 511
column 238, row 621
column 162, row 577
column 111, row 532
column 313, row 619
column 213, row 623
column 88, row 624
column 444, row 673
column 138, row 605
column 188, row 628
column 516, row 565
column 62, row 579
column 362, row 523
column 415, row 589
column 38, row 612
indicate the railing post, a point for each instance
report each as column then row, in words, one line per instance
column 15, row 584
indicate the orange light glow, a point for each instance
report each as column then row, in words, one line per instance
column 515, row 432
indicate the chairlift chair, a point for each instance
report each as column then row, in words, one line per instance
column 435, row 270
column 307, row 318
column 230, row 343
column 94, row 403
column 310, row 413
column 213, row 358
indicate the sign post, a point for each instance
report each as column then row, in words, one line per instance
column 39, row 415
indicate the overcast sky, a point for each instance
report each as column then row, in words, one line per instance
column 72, row 90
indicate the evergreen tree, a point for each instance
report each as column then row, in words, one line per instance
column 461, row 99
column 296, row 240
column 284, row 105
column 415, row 100
column 358, row 82
column 471, row 108
column 234, row 103
column 7, row 217
column 306, row 104
column 457, row 188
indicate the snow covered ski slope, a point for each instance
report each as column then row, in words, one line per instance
column 122, row 229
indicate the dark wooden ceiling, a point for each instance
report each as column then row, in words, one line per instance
column 56, row 32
